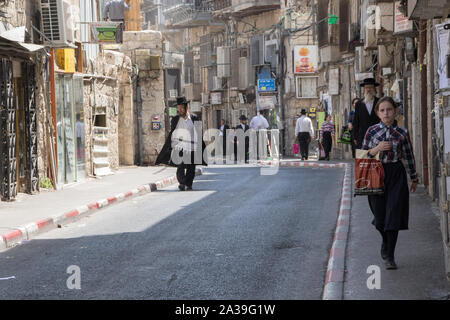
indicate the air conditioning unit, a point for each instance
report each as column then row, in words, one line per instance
column 370, row 39
column 217, row 83
column 223, row 62
column 55, row 15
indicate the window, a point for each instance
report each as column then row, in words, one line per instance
column 306, row 87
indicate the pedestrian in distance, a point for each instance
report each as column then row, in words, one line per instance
column 391, row 209
column 182, row 143
column 243, row 126
column 223, row 133
column 257, row 123
column 351, row 116
column 326, row 135
column 365, row 115
column 304, row 132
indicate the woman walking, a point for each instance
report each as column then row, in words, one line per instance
column 391, row 210
column 326, row 136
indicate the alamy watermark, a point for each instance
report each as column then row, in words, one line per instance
column 237, row 146
column 74, row 281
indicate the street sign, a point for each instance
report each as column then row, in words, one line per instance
column 266, row 85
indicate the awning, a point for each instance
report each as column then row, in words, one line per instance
column 428, row 9
column 12, row 43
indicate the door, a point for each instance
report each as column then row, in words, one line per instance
column 67, row 160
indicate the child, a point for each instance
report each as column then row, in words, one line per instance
column 391, row 210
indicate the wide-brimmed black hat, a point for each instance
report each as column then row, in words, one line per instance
column 242, row 117
column 182, row 100
column 369, row 81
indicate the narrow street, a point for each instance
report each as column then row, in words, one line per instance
column 237, row 235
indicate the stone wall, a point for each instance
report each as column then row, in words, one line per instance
column 102, row 94
column 139, row 46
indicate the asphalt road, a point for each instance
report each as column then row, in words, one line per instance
column 238, row 235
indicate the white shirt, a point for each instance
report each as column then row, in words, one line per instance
column 304, row 124
column 259, row 122
column 186, row 133
column 221, row 130
column 369, row 106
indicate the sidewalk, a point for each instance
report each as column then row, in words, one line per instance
column 419, row 255
column 28, row 209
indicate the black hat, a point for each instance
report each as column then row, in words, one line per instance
column 242, row 117
column 182, row 100
column 303, row 111
column 369, row 81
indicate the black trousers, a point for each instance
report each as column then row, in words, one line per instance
column 303, row 140
column 327, row 142
column 186, row 174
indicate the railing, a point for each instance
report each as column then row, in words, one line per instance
column 221, row 4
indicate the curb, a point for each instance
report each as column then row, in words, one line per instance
column 25, row 232
column 334, row 281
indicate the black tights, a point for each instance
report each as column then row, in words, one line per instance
column 390, row 240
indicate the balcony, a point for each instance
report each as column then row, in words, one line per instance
column 244, row 8
column 187, row 13
column 222, row 6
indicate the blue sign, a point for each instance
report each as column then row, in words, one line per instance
column 265, row 85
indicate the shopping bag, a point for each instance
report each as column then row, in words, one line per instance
column 295, row 148
column 322, row 155
column 369, row 174
column 346, row 136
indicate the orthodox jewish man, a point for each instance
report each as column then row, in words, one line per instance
column 181, row 146
column 365, row 115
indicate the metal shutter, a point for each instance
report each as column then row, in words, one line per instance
column 343, row 25
column 322, row 25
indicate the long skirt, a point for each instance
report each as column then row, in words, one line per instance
column 327, row 142
column 391, row 210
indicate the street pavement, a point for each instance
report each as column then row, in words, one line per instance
column 30, row 208
column 238, row 235
column 419, row 255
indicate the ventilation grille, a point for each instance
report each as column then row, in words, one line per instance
column 52, row 20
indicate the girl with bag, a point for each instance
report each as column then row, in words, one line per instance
column 391, row 209
column 326, row 136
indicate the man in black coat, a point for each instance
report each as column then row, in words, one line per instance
column 182, row 142
column 365, row 115
column 223, row 132
column 243, row 127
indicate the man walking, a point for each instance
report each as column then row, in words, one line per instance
column 115, row 11
column 304, row 131
column 365, row 115
column 182, row 142
column 257, row 123
column 242, row 127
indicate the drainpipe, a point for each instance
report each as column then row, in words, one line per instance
column 139, row 119
column 423, row 97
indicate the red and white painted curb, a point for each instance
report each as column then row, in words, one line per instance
column 334, row 282
column 25, row 232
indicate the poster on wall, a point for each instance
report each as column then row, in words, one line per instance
column 305, row 59
column 401, row 23
column 443, row 40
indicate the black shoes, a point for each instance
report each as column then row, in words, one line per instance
column 189, row 188
column 384, row 254
column 182, row 187
column 390, row 264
